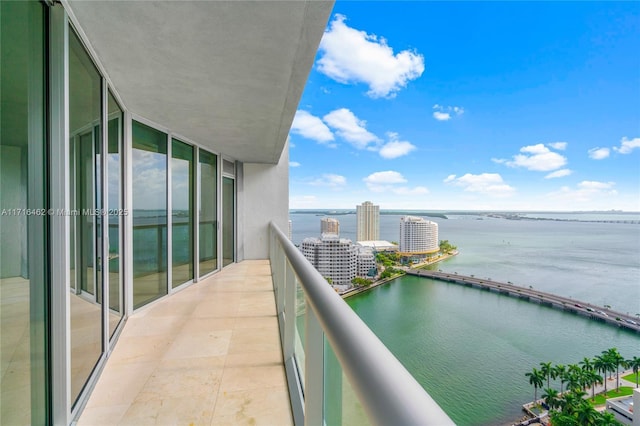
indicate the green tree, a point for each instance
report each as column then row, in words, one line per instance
column 586, row 414
column 618, row 360
column 558, row 418
column 586, row 364
column 601, row 365
column 551, row 398
column 546, row 369
column 536, row 378
column 634, row 363
column 592, row 377
column 560, row 372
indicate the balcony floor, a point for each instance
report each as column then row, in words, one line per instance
column 207, row 355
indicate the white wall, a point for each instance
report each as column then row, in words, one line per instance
column 263, row 196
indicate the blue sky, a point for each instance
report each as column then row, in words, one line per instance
column 480, row 105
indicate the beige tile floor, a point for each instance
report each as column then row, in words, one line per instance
column 208, row 355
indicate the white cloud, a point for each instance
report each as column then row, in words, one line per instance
column 537, row 158
column 444, row 113
column 389, row 181
column 311, row 127
column 599, row 153
column 386, row 177
column 441, row 116
column 560, row 146
column 627, row 145
column 331, row 180
column 586, row 191
column 558, row 174
column 395, row 148
column 349, row 55
column 350, row 128
column 486, row 183
column 294, row 164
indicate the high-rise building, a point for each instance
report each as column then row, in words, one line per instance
column 418, row 236
column 329, row 225
column 332, row 256
column 368, row 222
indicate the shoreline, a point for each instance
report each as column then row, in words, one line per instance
column 358, row 290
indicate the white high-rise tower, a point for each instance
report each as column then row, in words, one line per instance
column 418, row 235
column 368, row 222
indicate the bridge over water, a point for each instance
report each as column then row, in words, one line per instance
column 571, row 305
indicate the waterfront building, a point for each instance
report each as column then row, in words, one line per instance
column 290, row 230
column 334, row 257
column 365, row 262
column 329, row 225
column 418, row 236
column 367, row 222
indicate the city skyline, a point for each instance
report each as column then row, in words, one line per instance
column 452, row 106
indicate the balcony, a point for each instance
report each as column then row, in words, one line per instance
column 260, row 342
column 209, row 354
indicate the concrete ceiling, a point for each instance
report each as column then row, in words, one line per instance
column 226, row 74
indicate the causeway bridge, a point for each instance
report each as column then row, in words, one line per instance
column 571, row 305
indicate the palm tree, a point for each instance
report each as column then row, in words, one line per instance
column 574, row 377
column 561, row 419
column 607, row 418
column 601, row 365
column 592, row 378
column 560, row 371
column 537, row 380
column 586, row 414
column 634, row 363
column 552, row 398
column 546, row 369
column 586, row 364
column 617, row 360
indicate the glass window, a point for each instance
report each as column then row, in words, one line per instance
column 85, row 108
column 182, row 178
column 208, row 226
column 23, row 255
column 114, row 200
column 149, row 214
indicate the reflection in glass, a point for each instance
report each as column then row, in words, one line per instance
column 182, row 178
column 86, row 181
column 228, row 222
column 208, row 225
column 23, row 256
column 114, row 165
column 149, row 159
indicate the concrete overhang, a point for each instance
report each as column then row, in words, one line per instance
column 226, row 74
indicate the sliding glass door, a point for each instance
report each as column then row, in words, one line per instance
column 208, row 224
column 149, row 214
column 86, row 178
column 182, row 212
column 24, row 320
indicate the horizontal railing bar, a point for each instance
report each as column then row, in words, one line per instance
column 389, row 394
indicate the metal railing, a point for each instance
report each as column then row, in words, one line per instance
column 387, row 393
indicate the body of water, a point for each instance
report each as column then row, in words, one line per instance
column 470, row 349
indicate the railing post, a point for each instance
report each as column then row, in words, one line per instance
column 313, row 370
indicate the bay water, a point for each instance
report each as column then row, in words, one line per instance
column 470, row 348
